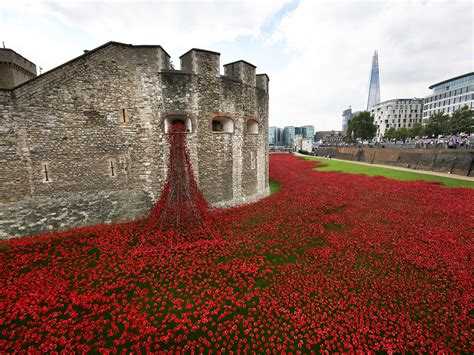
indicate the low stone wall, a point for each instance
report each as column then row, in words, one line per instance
column 453, row 161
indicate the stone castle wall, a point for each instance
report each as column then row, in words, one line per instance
column 452, row 161
column 85, row 143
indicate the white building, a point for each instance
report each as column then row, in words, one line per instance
column 449, row 96
column 396, row 113
column 302, row 143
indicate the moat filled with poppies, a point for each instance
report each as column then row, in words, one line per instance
column 336, row 262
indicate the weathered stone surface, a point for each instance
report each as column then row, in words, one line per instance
column 64, row 132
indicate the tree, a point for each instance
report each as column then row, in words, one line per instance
column 416, row 131
column 437, row 125
column 362, row 126
column 461, row 120
column 401, row 134
column 390, row 133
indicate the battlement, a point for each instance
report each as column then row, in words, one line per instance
column 14, row 69
column 242, row 71
column 201, row 61
column 207, row 63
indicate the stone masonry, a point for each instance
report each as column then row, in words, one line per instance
column 85, row 143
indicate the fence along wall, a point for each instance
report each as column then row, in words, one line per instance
column 459, row 162
column 85, row 143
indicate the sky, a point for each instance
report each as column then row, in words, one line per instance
column 317, row 53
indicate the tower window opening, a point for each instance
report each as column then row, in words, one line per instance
column 222, row 125
column 173, row 120
column 252, row 127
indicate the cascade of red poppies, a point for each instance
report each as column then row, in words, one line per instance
column 182, row 212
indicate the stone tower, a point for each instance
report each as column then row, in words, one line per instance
column 14, row 69
column 86, row 142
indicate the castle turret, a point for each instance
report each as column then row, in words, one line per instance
column 14, row 69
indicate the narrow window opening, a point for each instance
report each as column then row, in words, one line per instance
column 112, row 168
column 46, row 174
column 123, row 115
column 253, row 163
column 46, row 177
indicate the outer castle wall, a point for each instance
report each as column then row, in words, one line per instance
column 85, row 143
column 457, row 162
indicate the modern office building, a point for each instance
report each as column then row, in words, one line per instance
column 275, row 136
column 449, row 95
column 289, row 133
column 346, row 117
column 396, row 113
column 374, row 85
column 308, row 132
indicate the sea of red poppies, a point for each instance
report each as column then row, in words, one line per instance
column 331, row 263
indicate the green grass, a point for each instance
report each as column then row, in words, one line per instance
column 351, row 168
column 274, row 187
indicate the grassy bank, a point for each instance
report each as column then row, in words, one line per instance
column 351, row 168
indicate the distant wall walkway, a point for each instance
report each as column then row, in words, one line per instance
column 450, row 161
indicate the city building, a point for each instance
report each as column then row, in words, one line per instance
column 374, row 85
column 300, row 143
column 329, row 137
column 346, row 117
column 289, row 133
column 275, row 136
column 308, row 132
column 396, row 113
column 449, row 95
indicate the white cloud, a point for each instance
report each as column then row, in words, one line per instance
column 419, row 43
column 56, row 31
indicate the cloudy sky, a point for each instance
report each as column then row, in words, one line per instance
column 317, row 53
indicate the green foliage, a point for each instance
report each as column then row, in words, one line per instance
column 437, row 125
column 416, row 131
column 274, row 187
column 461, row 121
column 362, row 126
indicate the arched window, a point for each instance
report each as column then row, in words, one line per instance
column 252, row 126
column 222, row 125
column 178, row 119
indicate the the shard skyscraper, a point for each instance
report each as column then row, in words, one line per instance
column 374, row 86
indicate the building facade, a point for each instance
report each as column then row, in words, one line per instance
column 86, row 142
column 396, row 113
column 449, row 96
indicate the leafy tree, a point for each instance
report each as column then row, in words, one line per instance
column 416, row 130
column 401, row 134
column 461, row 121
column 437, row 125
column 390, row 133
column 362, row 126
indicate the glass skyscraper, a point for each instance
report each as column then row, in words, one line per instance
column 374, row 86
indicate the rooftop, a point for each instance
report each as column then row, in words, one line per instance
column 448, row 80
